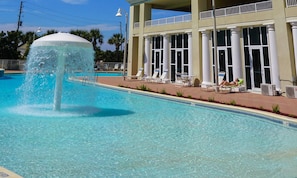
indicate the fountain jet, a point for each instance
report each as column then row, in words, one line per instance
column 57, row 54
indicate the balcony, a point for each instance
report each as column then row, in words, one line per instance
column 165, row 21
column 291, row 3
column 236, row 10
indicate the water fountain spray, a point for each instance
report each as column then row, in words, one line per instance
column 58, row 54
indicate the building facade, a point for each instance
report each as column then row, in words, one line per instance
column 256, row 40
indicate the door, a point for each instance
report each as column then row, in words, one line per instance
column 223, row 65
column 179, row 61
column 257, row 68
column 177, row 65
column 157, row 60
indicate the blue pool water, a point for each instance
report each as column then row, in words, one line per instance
column 110, row 133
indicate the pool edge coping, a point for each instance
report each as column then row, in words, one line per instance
column 286, row 120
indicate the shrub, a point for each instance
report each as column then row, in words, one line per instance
column 163, row 91
column 233, row 102
column 275, row 108
column 143, row 88
column 211, row 99
column 179, row 93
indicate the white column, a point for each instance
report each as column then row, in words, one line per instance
column 147, row 53
column 206, row 67
column 294, row 31
column 165, row 52
column 190, row 57
column 236, row 56
column 274, row 58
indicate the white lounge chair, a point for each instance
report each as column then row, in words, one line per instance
column 122, row 67
column 182, row 79
column 237, row 87
column 154, row 77
column 163, row 78
column 138, row 76
column 116, row 67
column 221, row 76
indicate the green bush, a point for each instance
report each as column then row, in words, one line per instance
column 163, row 91
column 275, row 108
column 143, row 88
column 179, row 93
column 233, row 102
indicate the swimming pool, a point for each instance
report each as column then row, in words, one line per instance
column 122, row 134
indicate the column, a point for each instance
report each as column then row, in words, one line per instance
column 190, row 58
column 274, row 58
column 165, row 52
column 236, row 56
column 206, row 67
column 294, row 32
column 147, row 56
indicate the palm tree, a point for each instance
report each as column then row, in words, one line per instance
column 117, row 40
column 96, row 37
column 82, row 33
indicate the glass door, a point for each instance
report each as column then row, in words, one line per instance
column 257, row 74
column 223, row 62
column 179, row 62
column 157, row 60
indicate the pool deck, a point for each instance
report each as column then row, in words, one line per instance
column 287, row 106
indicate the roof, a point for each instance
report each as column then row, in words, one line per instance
column 178, row 5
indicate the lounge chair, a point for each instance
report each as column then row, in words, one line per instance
column 221, row 76
column 239, row 87
column 154, row 77
column 233, row 87
column 122, row 67
column 182, row 79
column 138, row 76
column 216, row 88
column 116, row 67
column 163, row 78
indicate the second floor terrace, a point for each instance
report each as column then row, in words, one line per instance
column 220, row 12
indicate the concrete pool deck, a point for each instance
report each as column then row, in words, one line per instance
column 287, row 106
column 7, row 173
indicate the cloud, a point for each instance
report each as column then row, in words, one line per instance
column 75, row 1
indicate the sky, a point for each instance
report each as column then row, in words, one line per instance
column 66, row 15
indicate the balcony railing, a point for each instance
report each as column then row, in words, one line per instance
column 136, row 25
column 291, row 3
column 242, row 9
column 169, row 20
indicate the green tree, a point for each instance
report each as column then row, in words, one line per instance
column 117, row 40
column 9, row 44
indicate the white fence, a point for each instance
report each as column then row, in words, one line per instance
column 291, row 3
column 12, row 64
column 169, row 20
column 242, row 9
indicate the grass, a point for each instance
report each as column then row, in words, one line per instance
column 163, row 91
column 232, row 102
column 211, row 99
column 275, row 108
column 179, row 93
column 143, row 88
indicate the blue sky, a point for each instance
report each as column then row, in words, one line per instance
column 65, row 15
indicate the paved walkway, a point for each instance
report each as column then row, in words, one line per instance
column 286, row 105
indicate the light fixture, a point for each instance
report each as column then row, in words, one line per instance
column 119, row 14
